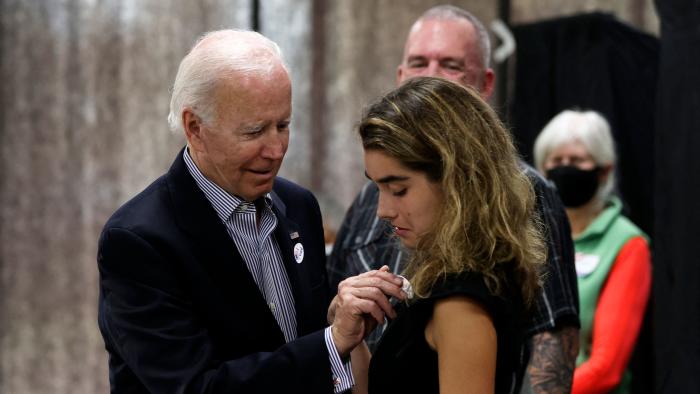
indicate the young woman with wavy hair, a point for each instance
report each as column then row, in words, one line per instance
column 450, row 184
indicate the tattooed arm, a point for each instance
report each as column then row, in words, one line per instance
column 551, row 368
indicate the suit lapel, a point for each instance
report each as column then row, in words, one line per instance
column 288, row 236
column 216, row 251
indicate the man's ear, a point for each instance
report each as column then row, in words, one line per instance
column 489, row 83
column 192, row 124
column 399, row 74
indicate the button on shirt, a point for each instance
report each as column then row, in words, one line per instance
column 261, row 253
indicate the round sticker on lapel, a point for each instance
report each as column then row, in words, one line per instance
column 298, row 253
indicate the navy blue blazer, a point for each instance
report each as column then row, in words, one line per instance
column 179, row 311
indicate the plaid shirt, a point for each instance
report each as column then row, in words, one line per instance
column 364, row 242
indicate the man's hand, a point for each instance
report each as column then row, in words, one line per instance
column 551, row 368
column 362, row 302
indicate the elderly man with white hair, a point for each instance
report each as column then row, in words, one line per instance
column 212, row 279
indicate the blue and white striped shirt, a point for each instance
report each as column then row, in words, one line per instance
column 262, row 256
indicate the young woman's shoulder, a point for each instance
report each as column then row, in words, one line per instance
column 464, row 337
column 467, row 284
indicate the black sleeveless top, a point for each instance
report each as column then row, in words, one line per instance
column 404, row 363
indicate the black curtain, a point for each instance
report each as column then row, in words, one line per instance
column 593, row 61
column 677, row 245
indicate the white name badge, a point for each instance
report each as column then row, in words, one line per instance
column 586, row 263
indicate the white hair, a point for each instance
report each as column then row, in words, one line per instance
column 451, row 12
column 218, row 56
column 590, row 129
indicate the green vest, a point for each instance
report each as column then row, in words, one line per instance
column 596, row 250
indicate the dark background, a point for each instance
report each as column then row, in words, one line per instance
column 649, row 90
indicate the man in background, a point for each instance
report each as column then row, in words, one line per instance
column 449, row 42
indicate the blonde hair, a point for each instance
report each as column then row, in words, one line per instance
column 487, row 223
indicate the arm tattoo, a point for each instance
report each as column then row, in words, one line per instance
column 551, row 368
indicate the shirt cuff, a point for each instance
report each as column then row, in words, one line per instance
column 343, row 379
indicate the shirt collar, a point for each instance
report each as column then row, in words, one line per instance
column 603, row 221
column 224, row 203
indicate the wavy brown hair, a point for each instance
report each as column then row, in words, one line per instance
column 486, row 223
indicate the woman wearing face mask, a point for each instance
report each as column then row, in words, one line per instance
column 576, row 151
column 450, row 185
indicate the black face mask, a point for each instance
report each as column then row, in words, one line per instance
column 576, row 186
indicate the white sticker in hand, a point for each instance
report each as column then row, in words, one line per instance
column 406, row 287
